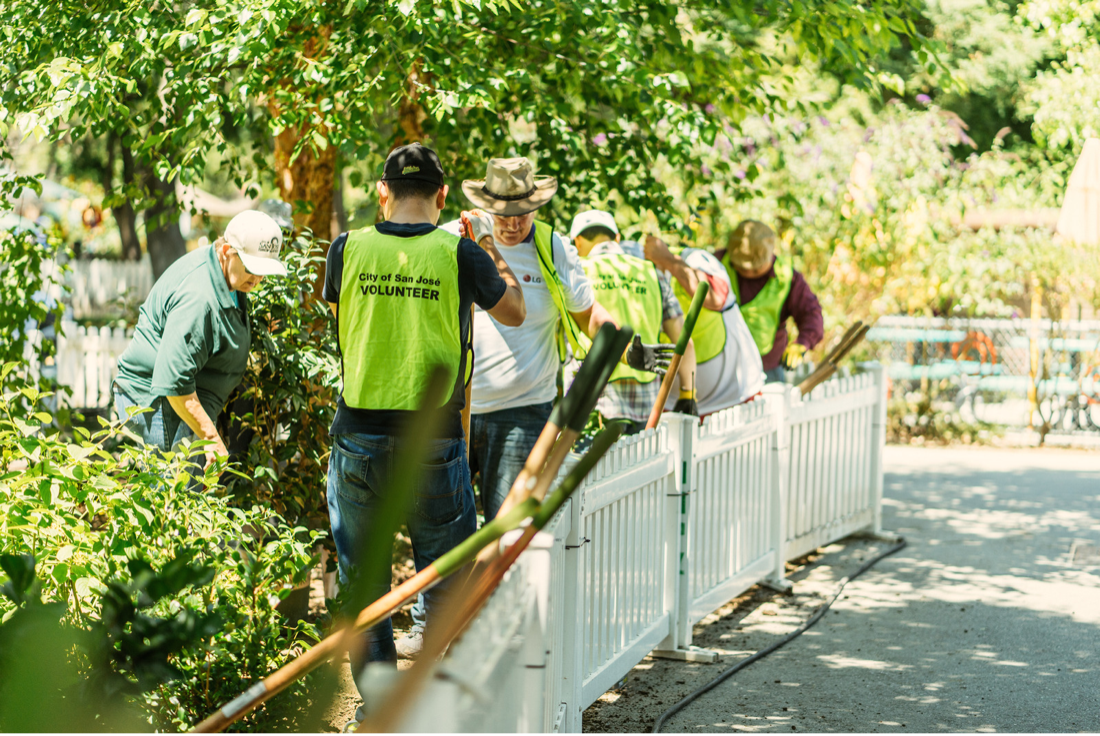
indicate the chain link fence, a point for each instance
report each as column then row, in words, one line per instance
column 1014, row 372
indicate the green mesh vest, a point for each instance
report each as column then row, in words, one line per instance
column 567, row 328
column 762, row 313
column 398, row 317
column 628, row 289
column 709, row 335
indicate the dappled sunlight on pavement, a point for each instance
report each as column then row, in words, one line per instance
column 983, row 624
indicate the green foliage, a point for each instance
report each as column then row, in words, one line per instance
column 921, row 418
column 30, row 279
column 292, row 385
column 85, row 514
column 872, row 204
column 599, row 89
column 131, row 647
column 1063, row 99
column 94, row 672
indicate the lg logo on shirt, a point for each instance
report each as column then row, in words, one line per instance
column 528, row 279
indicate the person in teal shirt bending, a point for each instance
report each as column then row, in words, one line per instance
column 191, row 344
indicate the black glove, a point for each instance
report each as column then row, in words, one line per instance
column 686, row 406
column 651, row 358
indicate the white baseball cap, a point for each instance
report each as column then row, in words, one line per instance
column 592, row 218
column 257, row 239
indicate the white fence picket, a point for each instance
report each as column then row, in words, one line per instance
column 832, row 488
column 729, row 550
column 96, row 284
column 86, row 362
column 628, row 514
column 669, row 526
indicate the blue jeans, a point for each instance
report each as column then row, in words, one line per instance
column 775, row 375
column 161, row 427
column 442, row 515
column 500, row 443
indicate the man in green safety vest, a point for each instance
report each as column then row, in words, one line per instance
column 517, row 368
column 631, row 290
column 402, row 292
column 770, row 291
column 729, row 369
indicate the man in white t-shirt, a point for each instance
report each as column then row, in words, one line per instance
column 729, row 369
column 516, row 369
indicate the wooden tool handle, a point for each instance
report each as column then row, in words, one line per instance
column 662, row 395
column 690, row 319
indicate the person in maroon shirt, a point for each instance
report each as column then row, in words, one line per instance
column 770, row 292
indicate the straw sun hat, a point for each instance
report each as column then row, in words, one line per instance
column 510, row 188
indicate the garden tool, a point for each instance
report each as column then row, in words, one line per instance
column 852, row 337
column 603, row 346
column 466, row 604
column 570, row 415
column 681, row 345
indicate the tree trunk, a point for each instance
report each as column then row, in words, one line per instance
column 339, row 214
column 124, row 215
column 410, row 113
column 163, row 239
column 306, row 181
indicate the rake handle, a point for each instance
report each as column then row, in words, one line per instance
column 690, row 319
column 662, row 394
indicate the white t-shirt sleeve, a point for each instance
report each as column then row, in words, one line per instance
column 579, row 296
column 708, row 264
column 454, row 227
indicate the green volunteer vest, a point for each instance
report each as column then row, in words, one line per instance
column 567, row 328
column 762, row 313
column 709, row 335
column 398, row 317
column 628, row 289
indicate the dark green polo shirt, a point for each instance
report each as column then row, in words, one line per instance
column 192, row 336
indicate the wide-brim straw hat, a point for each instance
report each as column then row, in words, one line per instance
column 510, row 188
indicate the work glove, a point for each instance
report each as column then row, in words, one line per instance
column 650, row 358
column 477, row 224
column 686, row 404
column 792, row 356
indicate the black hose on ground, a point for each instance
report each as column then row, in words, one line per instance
column 690, row 698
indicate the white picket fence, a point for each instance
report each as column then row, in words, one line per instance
column 86, row 362
column 95, row 285
column 669, row 526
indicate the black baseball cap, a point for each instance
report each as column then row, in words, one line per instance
column 413, row 162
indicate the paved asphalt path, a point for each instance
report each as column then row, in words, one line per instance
column 984, row 623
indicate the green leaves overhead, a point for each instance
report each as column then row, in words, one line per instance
column 581, row 86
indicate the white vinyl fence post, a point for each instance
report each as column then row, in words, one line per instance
column 683, row 432
column 681, row 436
column 878, row 441
column 573, row 611
column 779, row 397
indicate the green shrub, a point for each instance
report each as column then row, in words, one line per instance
column 85, row 514
column 62, row 676
column 291, row 387
column 29, row 279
